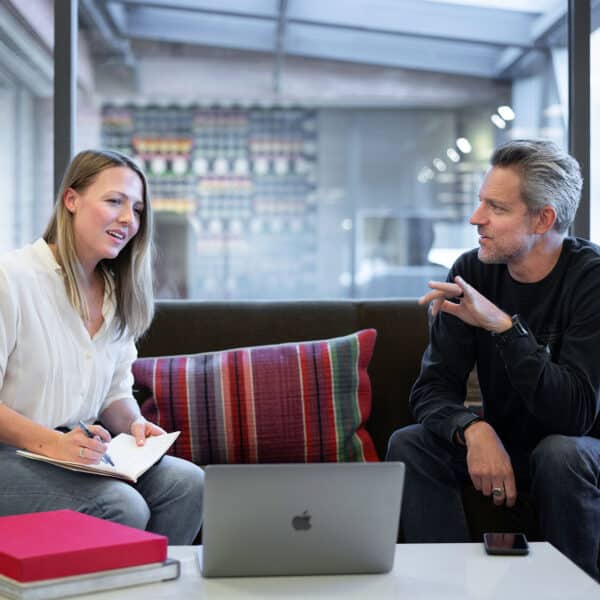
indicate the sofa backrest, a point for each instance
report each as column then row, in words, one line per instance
column 186, row 327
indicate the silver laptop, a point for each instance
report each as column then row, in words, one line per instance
column 300, row 519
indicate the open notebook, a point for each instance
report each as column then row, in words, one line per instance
column 131, row 461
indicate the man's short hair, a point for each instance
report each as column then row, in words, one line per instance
column 549, row 175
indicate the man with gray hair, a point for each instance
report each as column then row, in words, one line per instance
column 525, row 308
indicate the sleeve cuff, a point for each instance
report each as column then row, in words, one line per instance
column 460, row 422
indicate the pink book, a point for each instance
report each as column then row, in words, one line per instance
column 59, row 543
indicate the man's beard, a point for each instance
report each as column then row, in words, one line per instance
column 501, row 258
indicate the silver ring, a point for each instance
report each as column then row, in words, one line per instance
column 82, row 448
column 497, row 492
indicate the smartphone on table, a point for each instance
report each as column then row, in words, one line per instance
column 514, row 544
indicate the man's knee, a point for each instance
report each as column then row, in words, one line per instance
column 403, row 442
column 558, row 454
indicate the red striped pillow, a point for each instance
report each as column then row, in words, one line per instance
column 297, row 402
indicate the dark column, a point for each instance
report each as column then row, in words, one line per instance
column 579, row 104
column 65, row 85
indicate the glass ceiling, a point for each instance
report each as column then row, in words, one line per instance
column 432, row 36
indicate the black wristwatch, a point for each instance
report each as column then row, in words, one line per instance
column 460, row 430
column 516, row 331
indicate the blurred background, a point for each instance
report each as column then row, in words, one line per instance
column 294, row 148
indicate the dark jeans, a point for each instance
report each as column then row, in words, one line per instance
column 562, row 473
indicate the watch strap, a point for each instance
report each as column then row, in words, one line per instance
column 517, row 330
column 460, row 430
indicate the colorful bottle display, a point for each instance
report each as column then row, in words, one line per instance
column 242, row 179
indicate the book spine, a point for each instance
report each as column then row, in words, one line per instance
column 92, row 559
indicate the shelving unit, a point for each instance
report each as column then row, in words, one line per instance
column 243, row 179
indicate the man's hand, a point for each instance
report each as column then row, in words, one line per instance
column 472, row 307
column 489, row 465
column 141, row 429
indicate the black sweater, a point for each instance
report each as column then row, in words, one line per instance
column 545, row 383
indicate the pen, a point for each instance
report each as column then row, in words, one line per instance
column 105, row 458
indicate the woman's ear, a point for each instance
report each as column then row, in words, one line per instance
column 70, row 200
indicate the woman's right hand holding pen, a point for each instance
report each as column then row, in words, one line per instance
column 76, row 446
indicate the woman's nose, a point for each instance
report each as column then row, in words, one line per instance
column 126, row 214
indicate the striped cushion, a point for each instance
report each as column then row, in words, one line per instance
column 297, row 402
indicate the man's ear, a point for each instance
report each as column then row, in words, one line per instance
column 545, row 219
column 70, row 200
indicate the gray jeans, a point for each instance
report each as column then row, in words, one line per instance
column 167, row 499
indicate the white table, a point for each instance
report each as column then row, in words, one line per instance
column 421, row 572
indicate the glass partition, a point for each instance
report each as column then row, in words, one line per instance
column 331, row 150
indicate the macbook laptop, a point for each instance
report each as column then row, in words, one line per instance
column 300, row 519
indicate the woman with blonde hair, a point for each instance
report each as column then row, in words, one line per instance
column 72, row 305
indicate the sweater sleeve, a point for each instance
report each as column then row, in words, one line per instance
column 437, row 397
column 560, row 386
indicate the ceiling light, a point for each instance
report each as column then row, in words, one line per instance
column 425, row 175
column 498, row 121
column 439, row 164
column 453, row 155
column 463, row 145
column 506, row 112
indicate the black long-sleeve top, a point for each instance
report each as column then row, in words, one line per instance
column 547, row 382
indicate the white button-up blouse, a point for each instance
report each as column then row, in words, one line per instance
column 51, row 370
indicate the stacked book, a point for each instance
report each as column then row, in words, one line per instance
column 64, row 553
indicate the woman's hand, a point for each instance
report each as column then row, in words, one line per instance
column 76, row 446
column 140, row 429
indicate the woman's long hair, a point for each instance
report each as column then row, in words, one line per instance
column 131, row 270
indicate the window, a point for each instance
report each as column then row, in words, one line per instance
column 314, row 153
column 26, row 73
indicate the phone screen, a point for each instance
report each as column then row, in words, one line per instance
column 505, row 543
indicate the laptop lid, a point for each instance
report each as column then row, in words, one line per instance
column 300, row 519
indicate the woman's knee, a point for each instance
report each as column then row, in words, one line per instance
column 191, row 479
column 181, row 480
column 123, row 504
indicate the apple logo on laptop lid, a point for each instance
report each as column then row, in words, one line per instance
column 302, row 522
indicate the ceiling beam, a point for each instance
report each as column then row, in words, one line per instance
column 435, row 20
column 263, row 9
column 203, row 29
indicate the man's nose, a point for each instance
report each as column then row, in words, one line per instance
column 477, row 218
